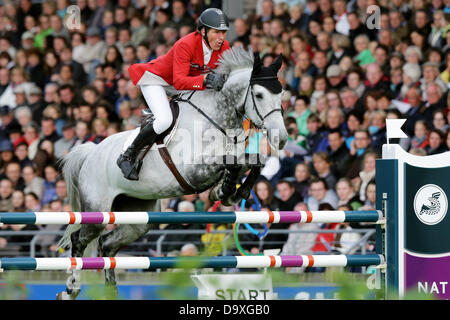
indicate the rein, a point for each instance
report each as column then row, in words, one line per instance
column 215, row 124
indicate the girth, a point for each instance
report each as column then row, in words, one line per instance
column 164, row 153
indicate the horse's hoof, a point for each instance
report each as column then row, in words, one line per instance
column 63, row 296
column 229, row 201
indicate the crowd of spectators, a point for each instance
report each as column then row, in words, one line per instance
column 343, row 74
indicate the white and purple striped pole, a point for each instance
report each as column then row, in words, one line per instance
column 38, row 218
column 189, row 262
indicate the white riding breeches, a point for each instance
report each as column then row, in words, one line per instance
column 156, row 98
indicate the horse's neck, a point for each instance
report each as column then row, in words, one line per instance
column 221, row 106
column 234, row 91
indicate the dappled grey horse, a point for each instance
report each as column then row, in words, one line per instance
column 208, row 127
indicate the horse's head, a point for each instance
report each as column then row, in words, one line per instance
column 263, row 101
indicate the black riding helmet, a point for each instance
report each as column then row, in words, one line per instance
column 212, row 18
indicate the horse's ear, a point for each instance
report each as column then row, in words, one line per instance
column 276, row 65
column 257, row 64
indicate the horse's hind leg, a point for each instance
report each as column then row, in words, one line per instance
column 111, row 242
column 80, row 240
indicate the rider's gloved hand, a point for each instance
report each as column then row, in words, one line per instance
column 215, row 81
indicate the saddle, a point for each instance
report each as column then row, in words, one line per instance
column 162, row 148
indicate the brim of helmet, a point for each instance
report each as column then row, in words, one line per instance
column 217, row 28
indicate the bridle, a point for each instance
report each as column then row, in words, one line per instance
column 255, row 106
column 178, row 98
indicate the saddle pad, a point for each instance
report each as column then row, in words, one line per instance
column 155, row 146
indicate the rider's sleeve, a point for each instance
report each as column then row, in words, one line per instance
column 182, row 57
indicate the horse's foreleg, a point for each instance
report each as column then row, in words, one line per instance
column 244, row 190
column 227, row 186
column 111, row 242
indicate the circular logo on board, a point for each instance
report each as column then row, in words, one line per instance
column 430, row 204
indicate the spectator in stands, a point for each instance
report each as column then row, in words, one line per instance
column 301, row 113
column 320, row 62
column 420, row 138
column 51, row 93
column 82, row 131
column 431, row 75
column 50, row 175
column 6, row 154
column 370, row 195
column 288, row 195
column 31, row 135
column 316, row 133
column 180, row 16
column 18, row 201
column 189, row 250
column 6, row 191
column 377, row 129
column 302, row 179
column 6, row 89
column 13, row 173
column 414, row 112
column 8, row 121
column 63, row 145
column 44, row 155
column 434, row 102
column 375, row 80
column 36, row 103
column 48, row 128
column 350, row 100
column 32, row 202
column 322, row 168
column 359, row 146
column 35, row 68
column 61, row 190
column 78, row 72
column 439, row 121
column 335, row 120
column 93, row 51
column 320, row 193
column 23, row 116
column 436, row 142
column 347, row 195
column 21, row 152
column 33, row 183
column 266, row 197
column 366, row 174
column 363, row 54
column 381, row 55
column 338, row 153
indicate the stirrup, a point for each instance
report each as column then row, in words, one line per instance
column 130, row 168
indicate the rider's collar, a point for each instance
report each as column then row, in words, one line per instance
column 207, row 52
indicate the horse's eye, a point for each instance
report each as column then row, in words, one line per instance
column 259, row 96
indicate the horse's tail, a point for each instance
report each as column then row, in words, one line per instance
column 71, row 166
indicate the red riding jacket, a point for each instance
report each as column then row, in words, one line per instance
column 182, row 66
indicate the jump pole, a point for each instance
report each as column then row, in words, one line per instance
column 38, row 218
column 47, row 264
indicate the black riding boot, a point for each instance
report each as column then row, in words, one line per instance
column 127, row 160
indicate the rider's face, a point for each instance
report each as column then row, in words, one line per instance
column 215, row 38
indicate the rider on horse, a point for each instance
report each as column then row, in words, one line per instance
column 185, row 67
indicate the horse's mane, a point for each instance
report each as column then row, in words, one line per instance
column 233, row 59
